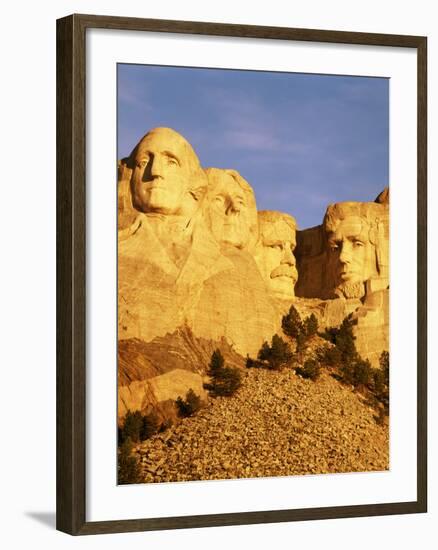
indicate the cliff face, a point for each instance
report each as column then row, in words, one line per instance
column 152, row 375
column 200, row 268
column 159, row 394
column 235, row 305
column 138, row 360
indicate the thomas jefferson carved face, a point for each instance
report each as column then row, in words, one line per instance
column 275, row 253
column 231, row 208
column 163, row 166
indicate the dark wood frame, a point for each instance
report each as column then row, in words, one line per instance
column 71, row 266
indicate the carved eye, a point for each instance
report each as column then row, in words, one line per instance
column 358, row 244
column 334, row 247
column 142, row 162
column 172, row 161
column 275, row 246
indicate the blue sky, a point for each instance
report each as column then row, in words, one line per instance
column 302, row 141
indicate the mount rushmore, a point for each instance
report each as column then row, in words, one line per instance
column 194, row 252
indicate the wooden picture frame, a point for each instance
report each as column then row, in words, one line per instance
column 71, row 273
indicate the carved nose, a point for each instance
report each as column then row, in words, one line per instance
column 288, row 257
column 155, row 167
column 345, row 254
column 232, row 207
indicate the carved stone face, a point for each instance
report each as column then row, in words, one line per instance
column 161, row 174
column 229, row 212
column 275, row 257
column 351, row 255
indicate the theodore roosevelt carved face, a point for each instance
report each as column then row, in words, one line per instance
column 274, row 253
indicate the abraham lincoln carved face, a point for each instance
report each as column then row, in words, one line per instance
column 352, row 238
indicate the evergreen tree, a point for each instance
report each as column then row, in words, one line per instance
column 311, row 326
column 273, row 356
column 279, row 353
column 291, row 323
column 384, row 366
column 330, row 334
column 216, row 363
column 378, row 382
column 190, row 405
column 253, row 363
column 227, row 383
column 301, row 342
column 264, row 353
column 362, row 372
column 345, row 342
column 132, row 426
column 225, row 380
column 128, row 469
column 329, row 356
column 150, row 426
column 381, row 380
column 311, row 369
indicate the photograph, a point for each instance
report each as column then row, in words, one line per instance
column 253, row 276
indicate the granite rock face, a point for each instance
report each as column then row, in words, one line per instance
column 348, row 255
column 185, row 259
column 195, row 255
column 274, row 253
column 345, row 261
column 158, row 392
column 139, row 360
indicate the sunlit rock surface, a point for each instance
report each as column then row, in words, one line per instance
column 195, row 255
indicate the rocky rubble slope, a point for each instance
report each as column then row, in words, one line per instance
column 277, row 424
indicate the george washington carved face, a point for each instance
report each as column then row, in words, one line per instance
column 165, row 177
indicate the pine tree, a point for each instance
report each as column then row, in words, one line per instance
column 381, row 380
column 275, row 355
column 311, row 326
column 301, row 342
column 128, row 469
column 384, row 365
column 378, row 382
column 311, row 369
column 150, row 426
column 225, row 380
column 280, row 352
column 189, row 405
column 132, row 426
column 228, row 383
column 264, row 353
column 345, row 342
column 362, row 372
column 291, row 323
column 329, row 356
column 216, row 363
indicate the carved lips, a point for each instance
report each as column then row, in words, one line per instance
column 285, row 271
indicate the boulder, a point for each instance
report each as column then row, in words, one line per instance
column 155, row 393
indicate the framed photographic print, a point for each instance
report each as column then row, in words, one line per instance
column 241, row 284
